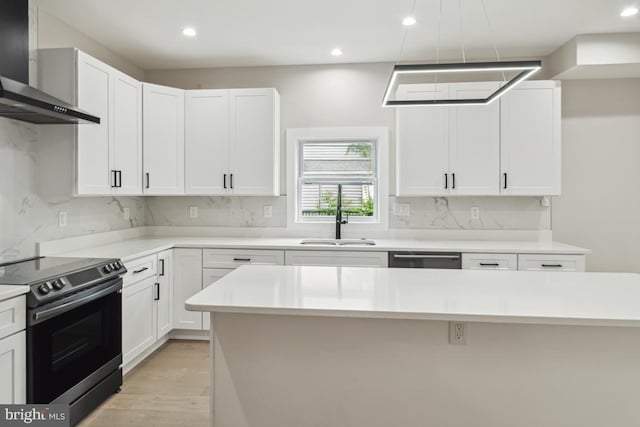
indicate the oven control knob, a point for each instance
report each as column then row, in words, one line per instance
column 58, row 284
column 106, row 268
column 43, row 289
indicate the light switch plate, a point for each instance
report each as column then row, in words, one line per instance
column 267, row 211
column 193, row 212
column 475, row 212
column 62, row 219
column 402, row 209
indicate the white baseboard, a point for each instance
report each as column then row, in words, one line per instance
column 185, row 334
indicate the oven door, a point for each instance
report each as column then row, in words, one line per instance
column 74, row 343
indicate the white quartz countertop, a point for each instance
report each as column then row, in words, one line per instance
column 590, row 299
column 135, row 248
column 10, row 291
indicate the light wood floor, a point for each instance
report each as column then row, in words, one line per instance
column 170, row 388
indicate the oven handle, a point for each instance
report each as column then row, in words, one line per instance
column 43, row 315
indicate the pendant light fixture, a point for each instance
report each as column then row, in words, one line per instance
column 524, row 70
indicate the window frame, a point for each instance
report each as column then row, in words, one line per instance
column 379, row 136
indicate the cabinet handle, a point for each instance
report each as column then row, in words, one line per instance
column 505, row 180
column 446, row 181
column 453, row 181
column 157, row 297
column 552, row 265
column 242, row 259
column 148, row 180
column 489, row 264
column 231, row 181
column 224, row 181
column 161, row 267
column 140, row 270
column 114, row 180
column 119, row 175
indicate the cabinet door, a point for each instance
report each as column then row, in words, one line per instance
column 254, row 142
column 139, row 318
column 13, row 369
column 163, row 140
column 187, row 281
column 207, row 142
column 474, row 141
column 337, row 258
column 209, row 277
column 164, row 297
column 127, row 134
column 93, row 172
column 422, row 143
column 530, row 139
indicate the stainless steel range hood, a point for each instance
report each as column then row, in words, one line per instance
column 21, row 102
column 18, row 100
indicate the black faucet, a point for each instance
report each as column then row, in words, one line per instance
column 339, row 220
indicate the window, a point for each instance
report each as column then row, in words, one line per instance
column 320, row 159
column 323, row 165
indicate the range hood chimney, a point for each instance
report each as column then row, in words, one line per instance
column 18, row 100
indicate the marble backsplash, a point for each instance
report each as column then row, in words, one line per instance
column 25, row 218
column 437, row 213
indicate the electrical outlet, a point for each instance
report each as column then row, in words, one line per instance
column 126, row 213
column 475, row 212
column 457, row 333
column 62, row 219
column 193, row 212
column 402, row 209
column 267, row 211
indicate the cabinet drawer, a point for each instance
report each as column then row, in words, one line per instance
column 140, row 269
column 12, row 315
column 489, row 261
column 533, row 262
column 234, row 258
column 338, row 258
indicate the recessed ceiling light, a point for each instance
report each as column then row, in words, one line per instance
column 408, row 21
column 189, row 32
column 336, row 52
column 629, row 11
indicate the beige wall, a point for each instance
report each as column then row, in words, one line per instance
column 600, row 203
column 52, row 32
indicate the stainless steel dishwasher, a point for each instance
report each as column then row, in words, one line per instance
column 411, row 259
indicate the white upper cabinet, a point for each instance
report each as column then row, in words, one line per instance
column 163, row 140
column 509, row 147
column 474, row 141
column 422, row 143
column 107, row 156
column 206, row 141
column 531, row 140
column 254, row 142
column 127, row 134
column 232, row 142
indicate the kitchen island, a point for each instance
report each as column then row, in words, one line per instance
column 330, row 346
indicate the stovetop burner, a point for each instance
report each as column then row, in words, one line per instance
column 51, row 278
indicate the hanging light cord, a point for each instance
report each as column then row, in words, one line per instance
column 492, row 34
column 406, row 32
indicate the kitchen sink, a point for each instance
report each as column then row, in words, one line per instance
column 339, row 242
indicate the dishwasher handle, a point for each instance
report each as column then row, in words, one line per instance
column 426, row 256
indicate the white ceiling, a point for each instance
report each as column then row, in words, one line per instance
column 279, row 32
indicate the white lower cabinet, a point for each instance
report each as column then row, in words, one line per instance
column 209, row 277
column 164, row 296
column 337, row 258
column 545, row 262
column 139, row 318
column 187, row 281
column 489, row 261
column 147, row 311
column 13, row 369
